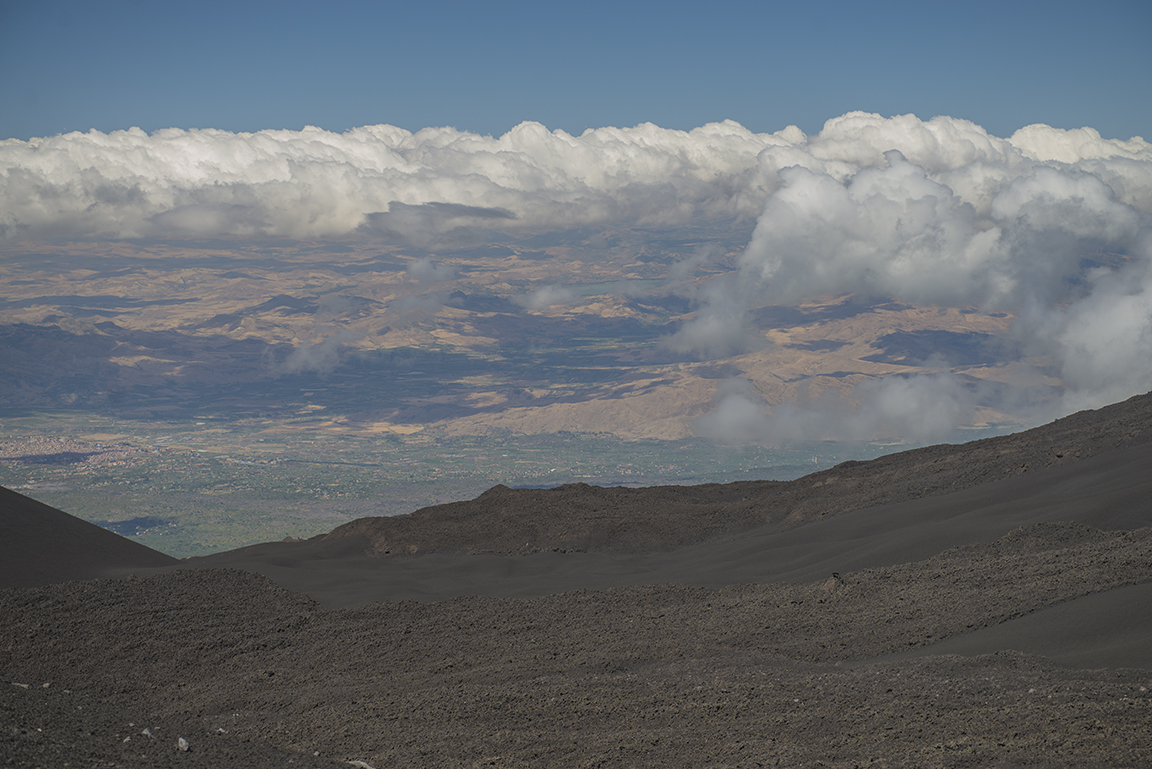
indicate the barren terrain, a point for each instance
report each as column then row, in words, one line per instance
column 995, row 615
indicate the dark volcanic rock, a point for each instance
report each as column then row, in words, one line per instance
column 650, row 676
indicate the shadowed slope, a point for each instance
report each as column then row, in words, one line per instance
column 40, row 545
column 1112, row 628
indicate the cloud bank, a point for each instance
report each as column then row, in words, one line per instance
column 383, row 180
column 372, row 180
column 1057, row 232
column 314, row 183
column 1052, row 225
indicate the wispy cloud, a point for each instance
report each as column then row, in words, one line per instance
column 322, row 356
column 424, row 270
column 545, row 297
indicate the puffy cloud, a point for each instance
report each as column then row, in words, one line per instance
column 417, row 186
column 1045, row 143
column 896, row 231
column 375, row 180
column 1051, row 225
column 1103, row 340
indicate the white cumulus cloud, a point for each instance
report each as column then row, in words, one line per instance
column 381, row 179
column 1052, row 225
column 315, row 183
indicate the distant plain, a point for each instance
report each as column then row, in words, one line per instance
column 203, row 396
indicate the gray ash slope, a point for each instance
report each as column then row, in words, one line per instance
column 823, row 673
column 40, row 545
column 1007, row 623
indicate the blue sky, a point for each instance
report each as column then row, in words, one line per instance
column 484, row 67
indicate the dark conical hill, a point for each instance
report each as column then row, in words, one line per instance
column 40, row 545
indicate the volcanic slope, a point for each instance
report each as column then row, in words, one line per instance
column 1006, row 623
column 1089, row 468
column 840, row 672
column 1111, row 491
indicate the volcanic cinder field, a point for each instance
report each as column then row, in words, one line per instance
column 983, row 604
